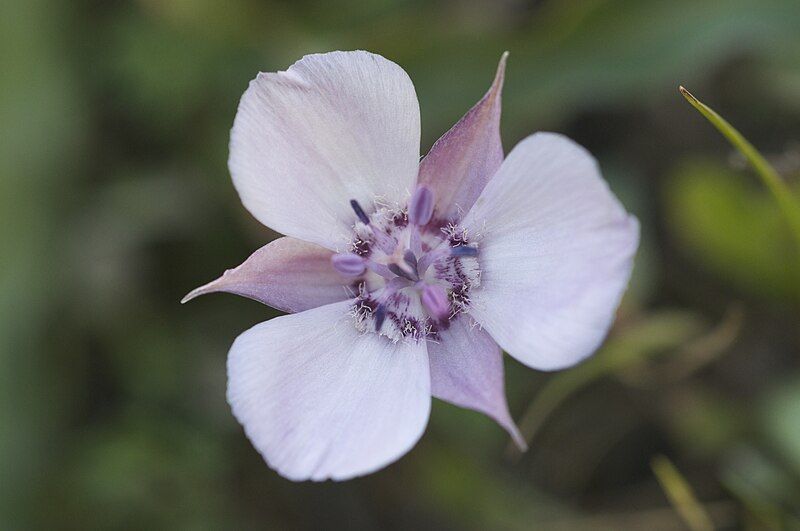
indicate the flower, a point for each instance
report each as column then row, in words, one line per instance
column 404, row 278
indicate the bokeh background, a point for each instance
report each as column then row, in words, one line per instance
column 115, row 201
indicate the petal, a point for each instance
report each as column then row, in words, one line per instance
column 288, row 274
column 467, row 370
column 334, row 127
column 319, row 400
column 556, row 253
column 463, row 160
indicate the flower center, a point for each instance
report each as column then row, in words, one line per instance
column 412, row 274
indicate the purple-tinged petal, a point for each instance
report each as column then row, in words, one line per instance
column 320, row 400
column 463, row 160
column 556, row 252
column 333, row 128
column 467, row 370
column 287, row 274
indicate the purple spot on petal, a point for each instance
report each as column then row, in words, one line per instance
column 436, row 225
column 400, row 220
column 361, row 248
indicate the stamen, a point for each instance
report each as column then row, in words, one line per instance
column 348, row 264
column 359, row 212
column 412, row 281
column 434, row 299
column 420, row 208
column 464, row 250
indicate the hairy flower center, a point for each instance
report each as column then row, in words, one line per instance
column 412, row 274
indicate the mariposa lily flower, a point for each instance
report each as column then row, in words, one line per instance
column 404, row 278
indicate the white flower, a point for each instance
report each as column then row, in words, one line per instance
column 405, row 275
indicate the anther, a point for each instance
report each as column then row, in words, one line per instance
column 420, row 208
column 348, row 264
column 359, row 212
column 463, row 250
column 434, row 299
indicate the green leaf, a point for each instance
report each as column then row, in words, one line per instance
column 779, row 415
column 732, row 229
column 656, row 334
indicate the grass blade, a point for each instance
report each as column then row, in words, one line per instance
column 680, row 495
column 780, row 190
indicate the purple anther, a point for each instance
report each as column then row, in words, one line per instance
column 348, row 264
column 359, row 212
column 400, row 272
column 420, row 208
column 434, row 299
column 463, row 250
column 380, row 316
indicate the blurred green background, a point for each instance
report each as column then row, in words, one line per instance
column 115, row 201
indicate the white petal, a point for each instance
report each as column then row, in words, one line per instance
column 319, row 400
column 334, row 127
column 556, row 253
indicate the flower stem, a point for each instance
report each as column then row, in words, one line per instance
column 788, row 204
column 680, row 495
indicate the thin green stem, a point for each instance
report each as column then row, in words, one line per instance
column 680, row 495
column 787, row 202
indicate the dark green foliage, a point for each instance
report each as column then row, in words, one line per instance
column 115, row 201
